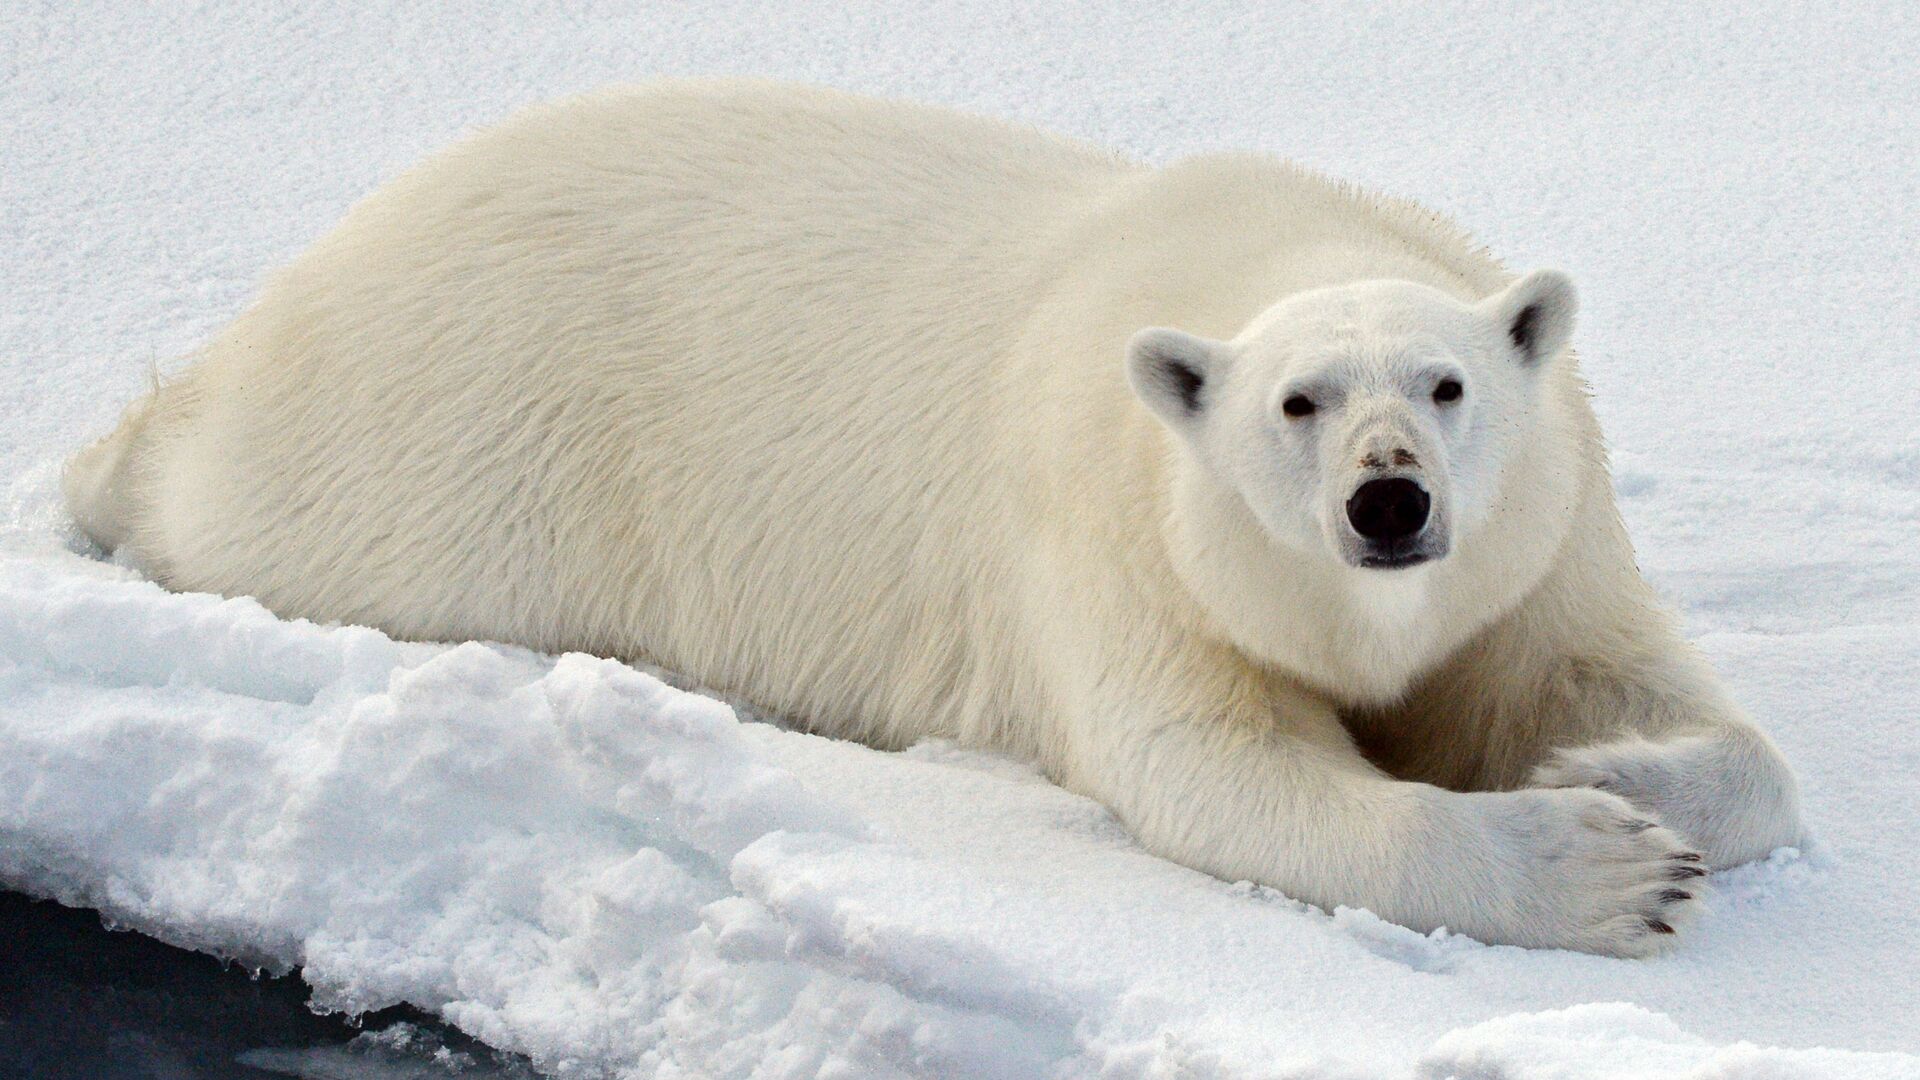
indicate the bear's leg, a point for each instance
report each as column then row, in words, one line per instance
column 1258, row 782
column 1624, row 707
column 1716, row 780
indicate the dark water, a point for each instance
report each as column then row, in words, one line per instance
column 82, row 1002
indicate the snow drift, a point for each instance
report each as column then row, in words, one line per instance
column 571, row 859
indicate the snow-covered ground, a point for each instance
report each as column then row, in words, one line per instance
column 570, row 859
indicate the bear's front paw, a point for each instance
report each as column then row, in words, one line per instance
column 1635, row 769
column 1596, row 874
column 1732, row 796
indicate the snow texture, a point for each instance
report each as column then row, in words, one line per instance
column 569, row 858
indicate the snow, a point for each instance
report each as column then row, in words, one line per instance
column 572, row 859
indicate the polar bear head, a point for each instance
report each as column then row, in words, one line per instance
column 1367, row 424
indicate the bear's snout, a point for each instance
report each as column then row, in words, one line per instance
column 1389, row 511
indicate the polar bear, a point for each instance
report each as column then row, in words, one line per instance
column 1271, row 514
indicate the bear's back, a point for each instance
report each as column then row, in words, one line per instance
column 701, row 373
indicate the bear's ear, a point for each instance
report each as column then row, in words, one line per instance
column 1535, row 314
column 1173, row 372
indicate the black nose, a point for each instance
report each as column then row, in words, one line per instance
column 1387, row 510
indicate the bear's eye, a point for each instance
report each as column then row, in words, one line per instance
column 1448, row 390
column 1297, row 406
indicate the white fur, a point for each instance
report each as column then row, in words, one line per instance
column 825, row 402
